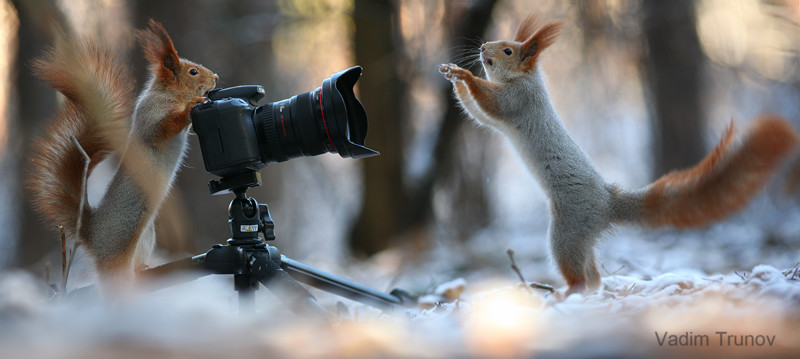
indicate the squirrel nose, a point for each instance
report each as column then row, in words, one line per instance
column 483, row 47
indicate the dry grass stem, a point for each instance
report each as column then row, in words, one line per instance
column 525, row 283
column 63, row 259
column 514, row 267
column 81, row 206
column 790, row 270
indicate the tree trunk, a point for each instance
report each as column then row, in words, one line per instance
column 390, row 207
column 36, row 237
column 471, row 201
column 673, row 72
column 382, row 92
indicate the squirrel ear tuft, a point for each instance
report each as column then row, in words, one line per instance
column 526, row 28
column 541, row 40
column 159, row 51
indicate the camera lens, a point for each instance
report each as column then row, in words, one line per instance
column 290, row 129
column 236, row 136
column 328, row 119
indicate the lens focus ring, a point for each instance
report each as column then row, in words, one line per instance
column 270, row 131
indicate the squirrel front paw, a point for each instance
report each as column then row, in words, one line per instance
column 453, row 72
column 197, row 100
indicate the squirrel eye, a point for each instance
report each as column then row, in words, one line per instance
column 193, row 72
column 507, row 51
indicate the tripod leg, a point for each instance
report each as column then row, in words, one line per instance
column 246, row 286
column 191, row 268
column 343, row 287
column 296, row 297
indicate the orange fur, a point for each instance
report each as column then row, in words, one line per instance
column 160, row 52
column 57, row 154
column 537, row 43
column 526, row 28
column 485, row 94
column 57, row 171
column 724, row 181
column 176, row 121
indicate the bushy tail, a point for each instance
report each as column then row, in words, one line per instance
column 719, row 185
column 99, row 102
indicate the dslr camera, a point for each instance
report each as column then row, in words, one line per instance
column 237, row 136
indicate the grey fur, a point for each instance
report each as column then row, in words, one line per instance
column 582, row 204
column 580, row 200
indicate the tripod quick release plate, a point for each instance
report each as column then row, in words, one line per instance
column 229, row 184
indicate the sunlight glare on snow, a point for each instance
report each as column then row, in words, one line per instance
column 503, row 322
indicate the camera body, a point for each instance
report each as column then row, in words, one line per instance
column 236, row 135
column 226, row 130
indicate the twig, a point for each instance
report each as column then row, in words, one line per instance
column 514, row 267
column 51, row 286
column 63, row 259
column 82, row 204
column 525, row 283
column 86, row 161
column 621, row 267
column 546, row 287
column 630, row 289
column 742, row 275
column 786, row 273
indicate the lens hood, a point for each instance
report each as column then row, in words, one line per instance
column 347, row 127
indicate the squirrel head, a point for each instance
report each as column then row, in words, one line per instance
column 505, row 60
column 186, row 77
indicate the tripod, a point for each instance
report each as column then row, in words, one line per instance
column 252, row 261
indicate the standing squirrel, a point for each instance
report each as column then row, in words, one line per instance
column 149, row 140
column 514, row 100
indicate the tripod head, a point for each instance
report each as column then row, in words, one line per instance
column 246, row 218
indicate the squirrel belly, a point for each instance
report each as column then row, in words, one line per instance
column 127, row 212
column 115, row 226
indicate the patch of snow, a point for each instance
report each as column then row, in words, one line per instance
column 629, row 317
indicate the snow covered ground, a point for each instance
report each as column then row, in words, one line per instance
column 681, row 312
column 746, row 314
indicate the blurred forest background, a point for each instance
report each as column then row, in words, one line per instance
column 645, row 87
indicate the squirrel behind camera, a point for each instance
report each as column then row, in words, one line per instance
column 103, row 115
column 514, row 100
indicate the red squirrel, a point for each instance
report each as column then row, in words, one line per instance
column 148, row 138
column 513, row 100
